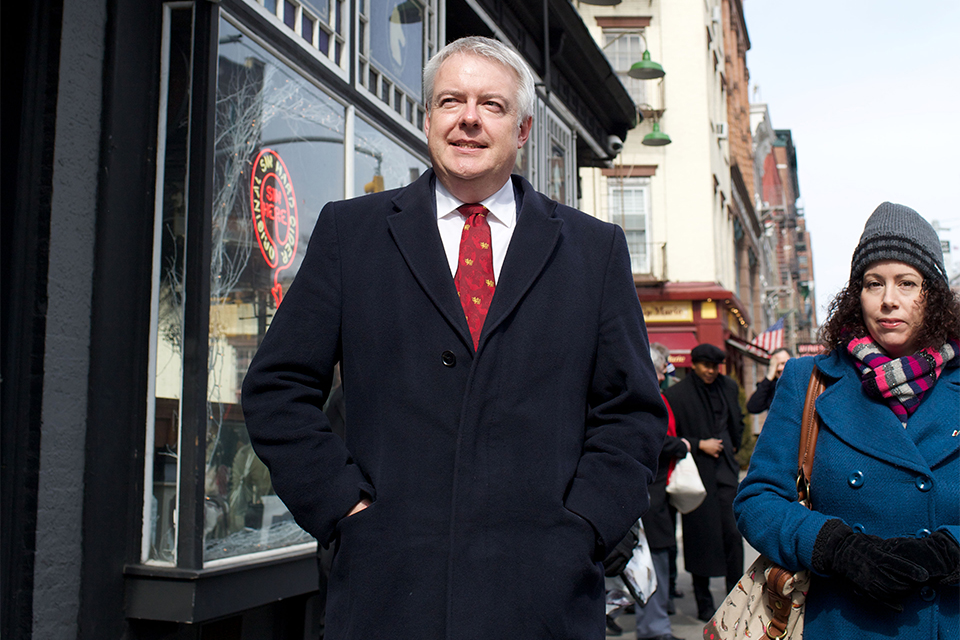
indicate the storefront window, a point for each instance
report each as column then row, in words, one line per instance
column 163, row 421
column 280, row 153
column 380, row 163
column 279, row 158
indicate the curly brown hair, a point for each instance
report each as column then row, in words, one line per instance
column 941, row 316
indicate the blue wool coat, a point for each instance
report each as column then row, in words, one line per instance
column 871, row 473
column 499, row 478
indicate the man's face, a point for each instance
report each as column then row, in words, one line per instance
column 708, row 371
column 472, row 127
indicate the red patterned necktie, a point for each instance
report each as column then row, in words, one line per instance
column 474, row 278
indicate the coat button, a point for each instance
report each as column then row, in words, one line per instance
column 856, row 479
column 448, row 359
column 928, row 593
column 922, row 533
column 859, row 528
column 924, row 483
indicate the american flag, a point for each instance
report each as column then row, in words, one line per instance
column 771, row 339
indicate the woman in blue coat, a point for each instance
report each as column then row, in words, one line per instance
column 882, row 537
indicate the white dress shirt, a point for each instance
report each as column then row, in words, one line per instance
column 502, row 220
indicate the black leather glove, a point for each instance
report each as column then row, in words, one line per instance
column 616, row 561
column 863, row 560
column 938, row 553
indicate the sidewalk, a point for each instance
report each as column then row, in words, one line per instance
column 684, row 622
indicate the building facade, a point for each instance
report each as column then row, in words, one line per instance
column 168, row 161
column 788, row 283
column 687, row 206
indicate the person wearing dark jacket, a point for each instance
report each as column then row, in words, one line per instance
column 504, row 418
column 659, row 525
column 707, row 411
column 762, row 398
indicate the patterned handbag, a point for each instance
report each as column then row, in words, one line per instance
column 768, row 601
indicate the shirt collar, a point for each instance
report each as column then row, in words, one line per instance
column 502, row 205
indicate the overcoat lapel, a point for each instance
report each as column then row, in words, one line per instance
column 532, row 244
column 868, row 425
column 933, row 425
column 414, row 229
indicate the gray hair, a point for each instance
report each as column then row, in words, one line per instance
column 659, row 362
column 492, row 50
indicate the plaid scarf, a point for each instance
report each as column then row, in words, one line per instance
column 902, row 382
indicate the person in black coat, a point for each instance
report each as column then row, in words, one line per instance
column 707, row 411
column 493, row 455
column 762, row 398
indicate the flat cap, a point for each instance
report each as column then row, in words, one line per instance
column 708, row 353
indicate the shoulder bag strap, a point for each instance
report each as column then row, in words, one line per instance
column 777, row 576
column 809, row 428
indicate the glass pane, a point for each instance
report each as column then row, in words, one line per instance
column 306, row 28
column 289, row 14
column 628, row 208
column 556, row 178
column 521, row 166
column 377, row 156
column 323, row 42
column 396, row 42
column 162, row 455
column 278, row 159
column 321, row 8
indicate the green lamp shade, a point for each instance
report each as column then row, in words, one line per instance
column 656, row 138
column 646, row 69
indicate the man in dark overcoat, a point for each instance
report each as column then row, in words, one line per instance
column 706, row 406
column 491, row 460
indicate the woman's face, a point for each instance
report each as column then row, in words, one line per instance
column 892, row 305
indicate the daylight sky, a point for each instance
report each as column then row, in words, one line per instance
column 871, row 92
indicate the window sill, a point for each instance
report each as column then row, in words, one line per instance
column 181, row 595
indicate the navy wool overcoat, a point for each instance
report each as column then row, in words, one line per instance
column 500, row 477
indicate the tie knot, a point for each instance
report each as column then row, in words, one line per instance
column 472, row 210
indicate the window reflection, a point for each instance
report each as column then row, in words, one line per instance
column 396, row 42
column 162, row 459
column 380, row 163
column 557, row 185
column 278, row 159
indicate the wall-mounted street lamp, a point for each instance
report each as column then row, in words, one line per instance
column 655, row 138
column 646, row 69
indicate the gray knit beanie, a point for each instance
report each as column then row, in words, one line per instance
column 896, row 232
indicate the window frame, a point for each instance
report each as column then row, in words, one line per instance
column 616, row 188
column 188, row 550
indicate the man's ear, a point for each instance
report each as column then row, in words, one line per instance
column 525, row 127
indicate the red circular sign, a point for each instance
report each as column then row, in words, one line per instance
column 273, row 205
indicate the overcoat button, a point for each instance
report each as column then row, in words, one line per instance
column 448, row 359
column 923, row 533
column 856, row 479
column 928, row 593
column 859, row 528
column 924, row 483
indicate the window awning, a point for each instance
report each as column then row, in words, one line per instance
column 678, row 342
column 750, row 350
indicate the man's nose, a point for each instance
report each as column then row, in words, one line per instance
column 470, row 114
